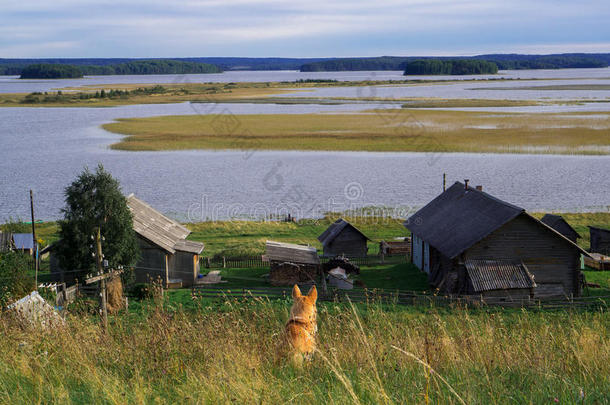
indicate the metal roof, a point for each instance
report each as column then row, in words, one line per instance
column 159, row 229
column 23, row 241
column 558, row 223
column 288, row 252
column 335, row 229
column 487, row 275
column 459, row 218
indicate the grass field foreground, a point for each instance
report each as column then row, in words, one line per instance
column 232, row 352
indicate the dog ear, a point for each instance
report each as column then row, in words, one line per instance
column 296, row 291
column 313, row 293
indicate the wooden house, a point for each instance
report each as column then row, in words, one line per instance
column 165, row 255
column 561, row 225
column 466, row 233
column 600, row 240
column 343, row 239
column 292, row 264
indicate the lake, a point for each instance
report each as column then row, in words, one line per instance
column 45, row 148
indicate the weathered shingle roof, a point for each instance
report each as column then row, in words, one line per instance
column 487, row 275
column 159, row 229
column 23, row 241
column 335, row 229
column 558, row 223
column 189, row 246
column 288, row 252
column 459, row 218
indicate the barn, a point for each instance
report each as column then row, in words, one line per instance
column 600, row 240
column 292, row 264
column 466, row 234
column 165, row 252
column 558, row 223
column 343, row 239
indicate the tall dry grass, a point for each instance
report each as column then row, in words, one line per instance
column 230, row 353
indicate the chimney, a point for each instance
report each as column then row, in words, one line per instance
column 480, row 188
column 466, row 184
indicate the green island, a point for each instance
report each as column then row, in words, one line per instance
column 397, row 130
column 140, row 67
column 450, row 67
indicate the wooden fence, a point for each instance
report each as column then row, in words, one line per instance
column 400, row 298
column 253, row 262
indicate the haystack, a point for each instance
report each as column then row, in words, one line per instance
column 114, row 291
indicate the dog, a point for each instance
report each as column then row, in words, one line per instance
column 301, row 328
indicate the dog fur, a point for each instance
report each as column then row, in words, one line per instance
column 302, row 327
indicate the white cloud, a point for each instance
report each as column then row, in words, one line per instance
column 194, row 27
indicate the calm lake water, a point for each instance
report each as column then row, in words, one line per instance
column 45, row 148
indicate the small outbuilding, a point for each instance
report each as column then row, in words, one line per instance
column 600, row 240
column 343, row 239
column 165, row 253
column 465, row 234
column 558, row 223
column 23, row 242
column 292, row 264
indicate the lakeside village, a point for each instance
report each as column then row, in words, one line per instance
column 463, row 246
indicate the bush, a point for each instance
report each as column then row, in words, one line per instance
column 15, row 283
column 141, row 291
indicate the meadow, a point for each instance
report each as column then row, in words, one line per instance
column 174, row 348
column 414, row 130
column 232, row 352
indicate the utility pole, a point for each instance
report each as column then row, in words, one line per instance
column 99, row 258
column 35, row 250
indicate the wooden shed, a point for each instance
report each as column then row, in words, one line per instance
column 465, row 224
column 23, row 242
column 558, row 223
column 600, row 240
column 343, row 239
column 292, row 264
column 165, row 252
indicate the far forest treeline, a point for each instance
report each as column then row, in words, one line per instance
column 114, row 66
column 502, row 61
column 57, row 71
column 450, row 67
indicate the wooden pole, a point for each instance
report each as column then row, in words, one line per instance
column 98, row 259
column 35, row 250
column 444, row 181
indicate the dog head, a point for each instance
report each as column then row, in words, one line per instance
column 304, row 306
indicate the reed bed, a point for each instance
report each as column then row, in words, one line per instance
column 231, row 352
column 416, row 130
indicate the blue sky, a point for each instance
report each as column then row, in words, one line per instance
column 181, row 28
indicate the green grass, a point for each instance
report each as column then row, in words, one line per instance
column 232, row 352
column 398, row 130
column 245, row 238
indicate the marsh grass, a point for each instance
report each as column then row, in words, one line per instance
column 231, row 352
column 414, row 130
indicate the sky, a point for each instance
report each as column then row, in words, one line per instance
column 314, row 28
